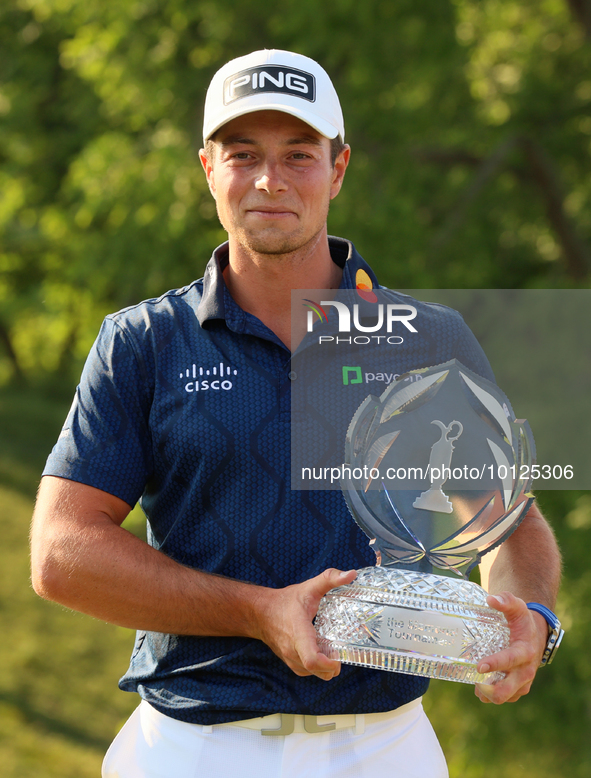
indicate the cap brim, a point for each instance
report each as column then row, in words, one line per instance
column 324, row 128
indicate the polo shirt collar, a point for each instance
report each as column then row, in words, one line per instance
column 217, row 302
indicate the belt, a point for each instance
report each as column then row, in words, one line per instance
column 288, row 723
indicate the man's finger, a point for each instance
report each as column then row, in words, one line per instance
column 495, row 693
column 484, row 691
column 312, row 660
column 523, row 638
column 509, row 605
column 505, row 660
column 320, row 666
column 487, row 692
column 330, row 579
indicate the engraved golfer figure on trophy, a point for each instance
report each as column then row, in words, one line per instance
column 416, row 611
column 434, row 498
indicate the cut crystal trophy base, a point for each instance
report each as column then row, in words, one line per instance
column 415, row 623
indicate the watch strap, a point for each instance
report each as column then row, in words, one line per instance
column 555, row 631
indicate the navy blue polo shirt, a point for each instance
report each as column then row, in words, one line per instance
column 184, row 405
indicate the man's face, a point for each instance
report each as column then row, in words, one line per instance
column 272, row 179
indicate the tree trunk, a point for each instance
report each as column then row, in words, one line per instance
column 10, row 352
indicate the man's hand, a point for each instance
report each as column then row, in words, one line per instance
column 285, row 623
column 527, row 564
column 520, row 661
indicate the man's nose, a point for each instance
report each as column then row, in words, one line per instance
column 270, row 178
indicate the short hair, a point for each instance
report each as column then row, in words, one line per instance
column 336, row 146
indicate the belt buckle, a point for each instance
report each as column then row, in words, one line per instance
column 287, row 727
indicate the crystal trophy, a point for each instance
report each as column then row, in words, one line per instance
column 437, row 472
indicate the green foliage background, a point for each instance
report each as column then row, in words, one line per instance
column 470, row 125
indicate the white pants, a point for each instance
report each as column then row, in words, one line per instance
column 152, row 745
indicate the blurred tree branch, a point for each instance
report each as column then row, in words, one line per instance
column 6, row 341
column 581, row 9
column 540, row 171
column 486, row 169
column 545, row 174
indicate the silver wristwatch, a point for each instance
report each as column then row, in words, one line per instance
column 555, row 631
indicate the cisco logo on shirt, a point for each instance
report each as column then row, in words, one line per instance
column 202, row 379
column 269, row 78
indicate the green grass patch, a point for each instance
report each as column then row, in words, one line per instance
column 59, row 702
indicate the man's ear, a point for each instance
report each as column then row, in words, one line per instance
column 338, row 171
column 208, row 168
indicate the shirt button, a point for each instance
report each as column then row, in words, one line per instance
column 292, row 375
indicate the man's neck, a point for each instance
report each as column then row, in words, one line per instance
column 262, row 283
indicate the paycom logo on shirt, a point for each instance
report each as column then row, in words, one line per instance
column 354, row 375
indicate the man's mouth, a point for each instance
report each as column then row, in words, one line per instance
column 271, row 212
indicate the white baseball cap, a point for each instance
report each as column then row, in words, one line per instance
column 273, row 80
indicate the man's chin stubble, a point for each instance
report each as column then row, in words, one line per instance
column 277, row 247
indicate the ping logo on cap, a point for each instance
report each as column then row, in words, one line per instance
column 269, row 78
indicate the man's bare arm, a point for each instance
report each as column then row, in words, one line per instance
column 82, row 558
column 525, row 568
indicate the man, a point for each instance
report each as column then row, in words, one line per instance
column 184, row 402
